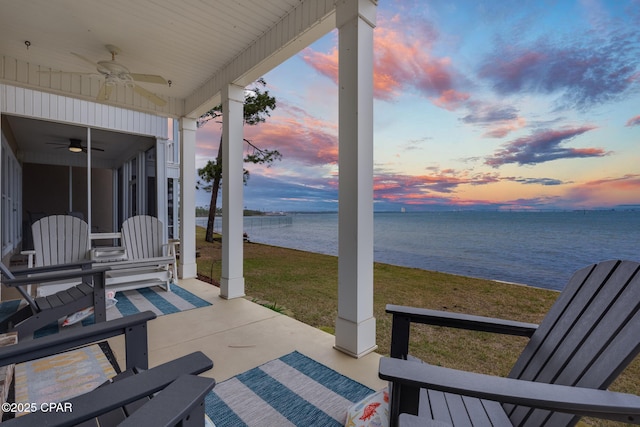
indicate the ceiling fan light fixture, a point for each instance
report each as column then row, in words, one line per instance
column 75, row 145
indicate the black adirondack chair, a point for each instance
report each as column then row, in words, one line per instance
column 166, row 395
column 589, row 336
column 41, row 311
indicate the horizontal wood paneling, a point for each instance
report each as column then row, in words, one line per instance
column 42, row 105
column 24, row 74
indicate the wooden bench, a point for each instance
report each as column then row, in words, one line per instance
column 141, row 259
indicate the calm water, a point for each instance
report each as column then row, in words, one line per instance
column 534, row 248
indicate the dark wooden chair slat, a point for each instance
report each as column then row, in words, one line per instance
column 586, row 340
column 182, row 405
column 42, row 311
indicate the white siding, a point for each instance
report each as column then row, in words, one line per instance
column 29, row 75
column 42, row 105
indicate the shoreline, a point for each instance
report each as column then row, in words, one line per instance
column 249, row 241
column 532, row 249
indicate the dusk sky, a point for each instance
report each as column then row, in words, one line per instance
column 530, row 104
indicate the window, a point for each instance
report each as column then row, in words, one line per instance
column 11, row 212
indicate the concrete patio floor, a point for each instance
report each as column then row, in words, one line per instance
column 239, row 335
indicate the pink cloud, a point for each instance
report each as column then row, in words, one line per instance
column 208, row 140
column 324, row 63
column 634, row 121
column 584, row 70
column 298, row 136
column 501, row 120
column 402, row 61
column 505, row 127
column 606, row 192
column 543, row 146
column 451, row 100
column 513, row 71
column 435, row 187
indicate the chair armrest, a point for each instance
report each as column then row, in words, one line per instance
column 118, row 393
column 171, row 247
column 47, row 274
column 404, row 316
column 84, row 264
column 463, row 321
column 31, row 254
column 24, row 351
column 134, row 263
column 574, row 400
column 173, row 404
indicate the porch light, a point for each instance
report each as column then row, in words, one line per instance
column 75, row 146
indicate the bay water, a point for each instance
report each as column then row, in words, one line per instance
column 540, row 249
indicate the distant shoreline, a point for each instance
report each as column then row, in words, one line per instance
column 619, row 208
column 539, row 250
column 402, row 266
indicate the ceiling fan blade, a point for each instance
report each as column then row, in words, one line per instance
column 88, row 61
column 75, row 73
column 84, row 149
column 148, row 78
column 105, row 92
column 150, row 96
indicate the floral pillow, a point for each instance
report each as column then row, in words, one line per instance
column 372, row 411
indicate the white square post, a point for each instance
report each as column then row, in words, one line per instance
column 232, row 280
column 355, row 325
column 187, row 266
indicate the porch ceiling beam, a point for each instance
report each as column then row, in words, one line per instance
column 309, row 21
column 76, row 160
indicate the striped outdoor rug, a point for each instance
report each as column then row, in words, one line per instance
column 290, row 391
column 135, row 301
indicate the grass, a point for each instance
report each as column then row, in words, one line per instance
column 307, row 285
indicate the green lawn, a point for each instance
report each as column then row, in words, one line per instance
column 307, row 285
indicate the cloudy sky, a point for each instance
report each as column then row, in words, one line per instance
column 533, row 104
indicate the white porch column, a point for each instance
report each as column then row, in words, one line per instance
column 89, row 201
column 355, row 325
column 161, row 185
column 232, row 280
column 187, row 265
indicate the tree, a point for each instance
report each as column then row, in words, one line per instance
column 258, row 105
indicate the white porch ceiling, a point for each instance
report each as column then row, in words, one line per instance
column 197, row 44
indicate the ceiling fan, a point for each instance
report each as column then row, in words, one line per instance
column 74, row 145
column 115, row 73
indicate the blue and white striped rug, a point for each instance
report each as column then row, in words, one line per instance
column 293, row 390
column 155, row 299
column 135, row 301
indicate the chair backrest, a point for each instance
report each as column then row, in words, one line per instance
column 587, row 339
column 142, row 237
column 60, row 239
